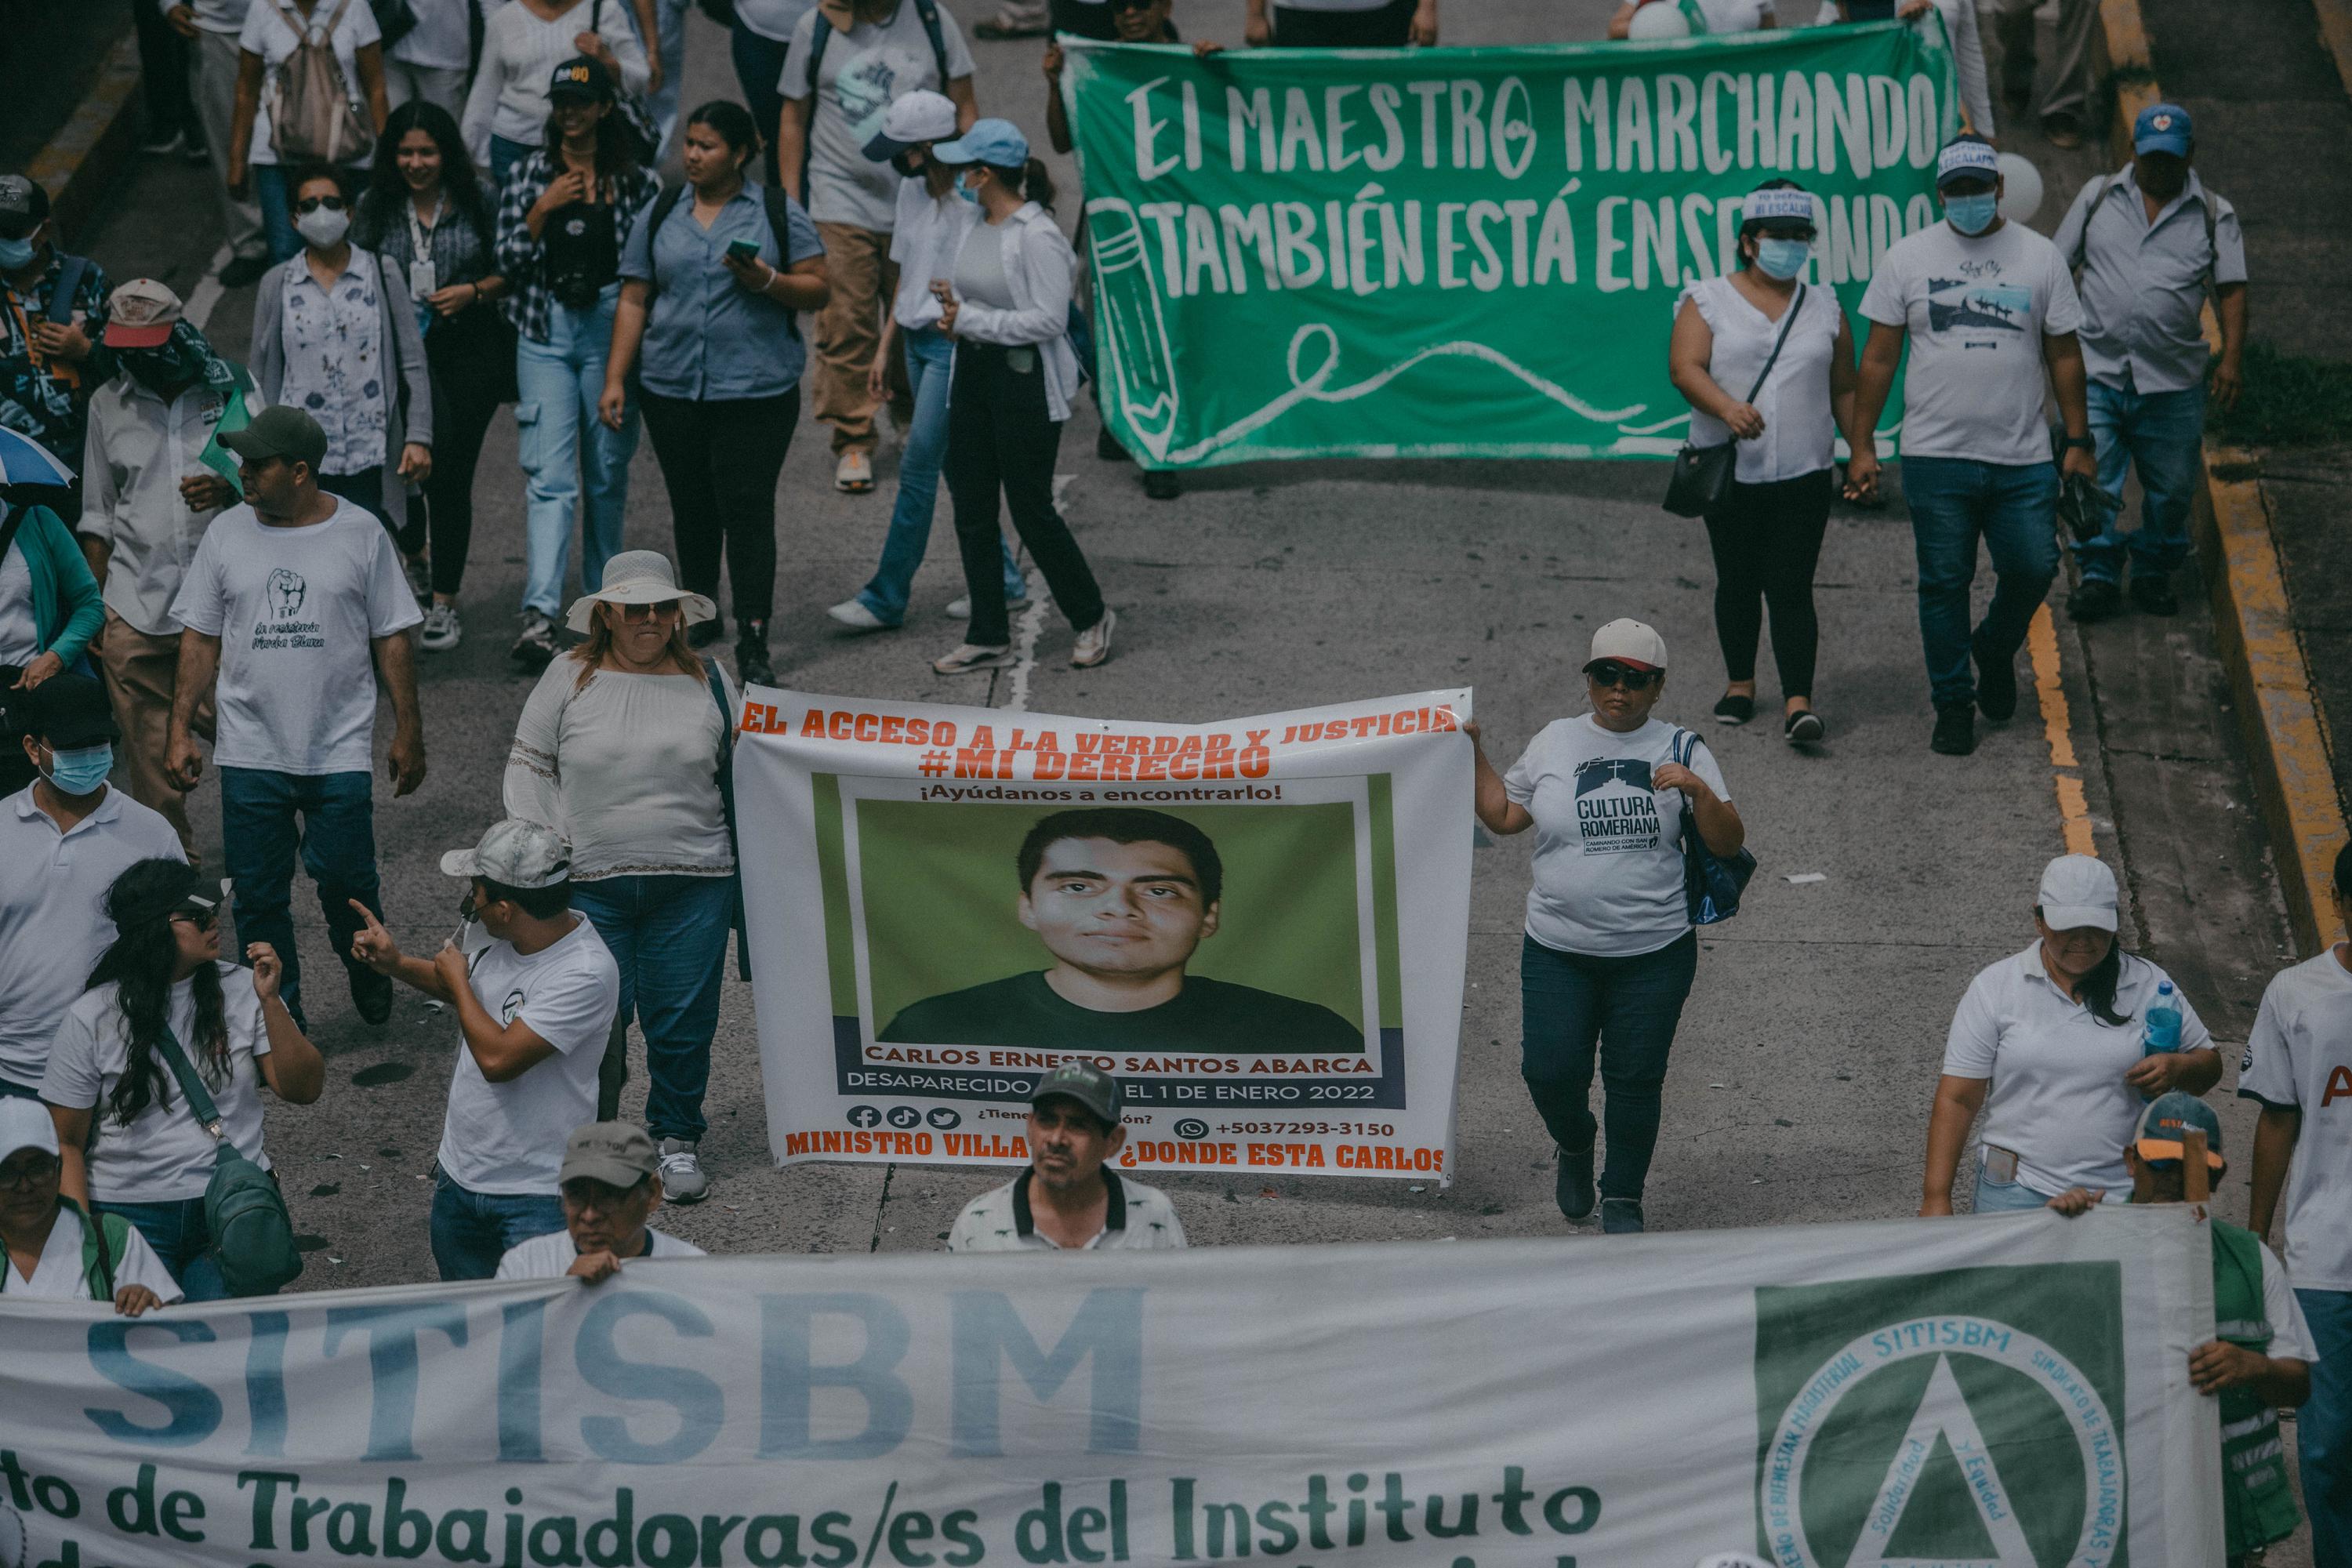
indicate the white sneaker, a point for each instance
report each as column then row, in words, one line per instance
column 961, row 609
column 535, row 649
column 854, row 474
column 442, row 629
column 1093, row 643
column 853, row 613
column 967, row 657
column 682, row 1180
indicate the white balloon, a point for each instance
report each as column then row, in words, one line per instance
column 2022, row 188
column 1659, row 19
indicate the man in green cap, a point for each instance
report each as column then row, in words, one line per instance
column 2261, row 1354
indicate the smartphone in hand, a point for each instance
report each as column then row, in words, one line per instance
column 746, row 250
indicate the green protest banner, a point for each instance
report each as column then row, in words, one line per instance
column 1466, row 252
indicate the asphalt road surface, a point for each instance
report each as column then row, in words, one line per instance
column 1801, row 1081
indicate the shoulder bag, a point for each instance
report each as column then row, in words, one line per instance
column 1712, row 883
column 1702, row 475
column 252, row 1234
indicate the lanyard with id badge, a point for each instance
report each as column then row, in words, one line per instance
column 424, row 273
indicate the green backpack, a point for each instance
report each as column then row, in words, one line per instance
column 252, row 1234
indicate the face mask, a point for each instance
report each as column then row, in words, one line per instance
column 904, row 163
column 966, row 192
column 160, row 369
column 1973, row 215
column 472, row 936
column 323, row 226
column 1783, row 258
column 80, row 771
column 15, row 253
column 2161, row 176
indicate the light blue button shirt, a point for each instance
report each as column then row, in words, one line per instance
column 708, row 338
column 2143, row 283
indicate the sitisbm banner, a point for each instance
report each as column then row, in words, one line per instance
column 2009, row 1390
column 944, row 903
column 1475, row 252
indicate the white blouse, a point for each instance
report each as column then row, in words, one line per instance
column 626, row 769
column 1794, row 400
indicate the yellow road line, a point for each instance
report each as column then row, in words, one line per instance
column 2073, row 809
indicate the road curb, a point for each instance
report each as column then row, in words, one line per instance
column 2254, row 632
column 82, row 159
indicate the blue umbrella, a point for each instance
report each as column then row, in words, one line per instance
column 24, row 461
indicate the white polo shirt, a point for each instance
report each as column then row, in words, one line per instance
column 57, row 1276
column 1137, row 1219
column 2058, row 1097
column 550, row 1257
column 2299, row 1056
column 53, row 921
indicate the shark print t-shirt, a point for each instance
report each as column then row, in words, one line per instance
column 1609, row 858
column 295, row 610
column 1976, row 310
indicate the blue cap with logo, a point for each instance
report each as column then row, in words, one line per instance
column 2163, row 128
column 995, row 142
column 2171, row 1117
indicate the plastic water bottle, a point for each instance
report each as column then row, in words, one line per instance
column 2162, row 1030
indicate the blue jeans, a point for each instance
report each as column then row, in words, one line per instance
column 2162, row 433
column 566, row 448
column 177, row 1232
column 2005, row 1197
column 276, row 201
column 668, row 935
column 331, row 818
column 504, row 156
column 472, row 1231
column 1575, row 1007
column 2323, row 1426
column 669, row 19
column 2013, row 508
column 931, row 359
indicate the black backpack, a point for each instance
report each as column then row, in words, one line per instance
column 780, row 224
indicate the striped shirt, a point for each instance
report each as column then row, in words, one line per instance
column 519, row 53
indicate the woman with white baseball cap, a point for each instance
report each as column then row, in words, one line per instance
column 49, row 1250
column 2060, row 1046
column 1610, row 950
column 622, row 748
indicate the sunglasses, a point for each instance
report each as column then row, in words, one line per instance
column 661, row 611
column 28, row 1174
column 312, row 204
column 1132, row 4
column 1609, row 672
column 202, row 919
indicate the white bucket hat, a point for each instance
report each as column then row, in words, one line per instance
column 639, row 577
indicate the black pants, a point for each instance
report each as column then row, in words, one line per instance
column 1767, row 539
column 1000, row 441
column 719, row 462
column 463, row 406
column 363, row 489
column 1388, row 27
column 16, row 769
column 163, row 73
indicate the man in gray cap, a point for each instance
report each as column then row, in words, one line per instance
column 611, row 1181
column 535, row 990
column 296, row 599
column 1069, row 1199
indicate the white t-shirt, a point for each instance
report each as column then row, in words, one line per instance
column 2058, row 1097
column 2290, row 1329
column 508, row 1137
column 550, row 1257
column 268, row 33
column 866, row 70
column 295, row 610
column 1977, row 310
column 441, row 39
column 162, row 1156
column 1608, row 860
column 2299, row 1056
column 53, row 922
column 927, row 234
column 57, row 1274
column 1794, row 400
column 1735, row 16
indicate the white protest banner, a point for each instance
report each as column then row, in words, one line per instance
column 2012, row 1390
column 944, row 902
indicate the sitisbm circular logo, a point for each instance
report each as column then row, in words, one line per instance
column 2002, row 1506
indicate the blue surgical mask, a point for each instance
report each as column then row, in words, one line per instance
column 966, row 192
column 1783, row 258
column 16, row 254
column 1972, row 215
column 82, row 769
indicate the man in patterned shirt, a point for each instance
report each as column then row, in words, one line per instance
column 52, row 311
column 1069, row 1199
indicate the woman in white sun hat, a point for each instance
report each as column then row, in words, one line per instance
column 2061, row 1046
column 624, row 749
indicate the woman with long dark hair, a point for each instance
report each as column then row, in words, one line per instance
column 1008, row 308
column 129, row 1145
column 425, row 213
column 565, row 216
column 622, row 748
column 709, row 285
column 2061, row 1046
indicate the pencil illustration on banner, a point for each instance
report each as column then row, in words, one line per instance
column 1142, row 364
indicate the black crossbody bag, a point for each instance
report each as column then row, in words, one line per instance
column 1702, row 476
